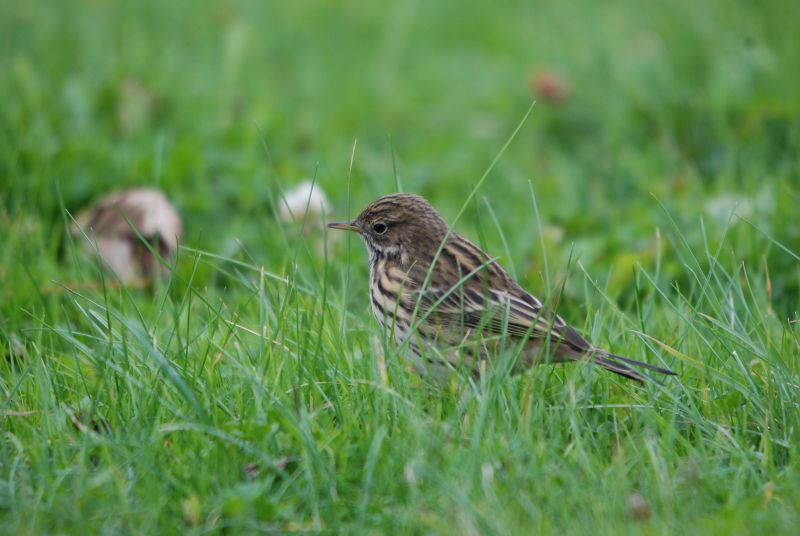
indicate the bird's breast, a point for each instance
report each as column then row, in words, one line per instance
column 387, row 289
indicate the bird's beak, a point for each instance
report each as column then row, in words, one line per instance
column 346, row 225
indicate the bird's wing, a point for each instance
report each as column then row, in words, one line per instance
column 499, row 312
column 486, row 298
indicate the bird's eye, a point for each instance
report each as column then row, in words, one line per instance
column 380, row 227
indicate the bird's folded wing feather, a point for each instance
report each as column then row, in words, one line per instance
column 498, row 312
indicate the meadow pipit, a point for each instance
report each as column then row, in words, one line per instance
column 452, row 303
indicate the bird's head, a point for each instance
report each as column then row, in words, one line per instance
column 398, row 224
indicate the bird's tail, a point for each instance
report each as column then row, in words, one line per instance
column 622, row 366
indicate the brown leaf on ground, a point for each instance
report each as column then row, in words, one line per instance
column 549, row 86
column 637, row 507
column 113, row 223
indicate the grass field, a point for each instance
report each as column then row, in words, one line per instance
column 254, row 392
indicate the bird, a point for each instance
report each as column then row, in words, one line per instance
column 455, row 306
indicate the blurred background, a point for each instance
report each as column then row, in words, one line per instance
column 651, row 119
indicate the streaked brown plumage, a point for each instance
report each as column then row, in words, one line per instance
column 454, row 302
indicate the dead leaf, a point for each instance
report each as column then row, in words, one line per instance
column 252, row 470
column 191, row 510
column 85, row 420
column 638, row 508
column 549, row 86
column 108, row 224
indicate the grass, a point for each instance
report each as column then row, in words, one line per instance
column 253, row 392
